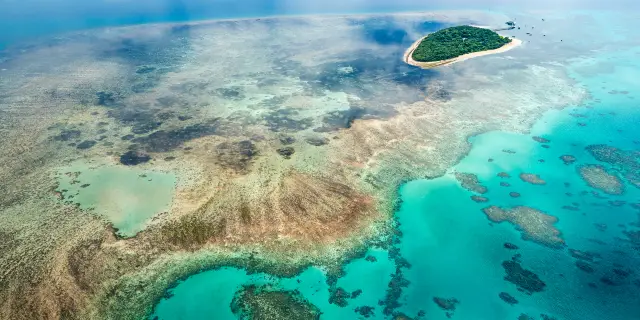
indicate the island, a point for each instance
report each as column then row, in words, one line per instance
column 456, row 44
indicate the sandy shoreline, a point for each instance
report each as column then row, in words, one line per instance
column 408, row 55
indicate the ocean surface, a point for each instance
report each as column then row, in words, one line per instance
column 447, row 247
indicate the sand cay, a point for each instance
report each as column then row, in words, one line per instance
column 408, row 55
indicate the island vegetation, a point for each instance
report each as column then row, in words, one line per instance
column 456, row 41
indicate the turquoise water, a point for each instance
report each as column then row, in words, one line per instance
column 454, row 252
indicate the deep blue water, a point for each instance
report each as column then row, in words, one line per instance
column 453, row 251
column 24, row 20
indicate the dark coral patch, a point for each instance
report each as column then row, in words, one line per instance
column 67, row 135
column 446, row 304
column 525, row 280
column 541, row 139
column 286, row 152
column 132, row 158
column 339, row 297
column 262, row 303
column 365, row 311
column 145, row 127
column 87, row 144
column 479, row 199
column 163, row 141
column 104, row 98
column 509, row 299
column 584, row 266
column 510, row 246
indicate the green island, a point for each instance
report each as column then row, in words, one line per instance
column 456, row 41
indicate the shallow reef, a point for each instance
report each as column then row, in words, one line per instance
column 600, row 178
column 536, row 225
column 568, row 159
column 132, row 158
column 263, row 303
column 532, row 178
column 525, row 280
column 626, row 162
column 507, row 298
column 365, row 311
column 470, row 182
column 479, row 199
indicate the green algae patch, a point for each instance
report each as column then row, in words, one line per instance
column 126, row 197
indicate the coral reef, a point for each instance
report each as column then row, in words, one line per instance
column 535, row 225
column 525, row 280
column 540, row 139
column 479, row 199
column 259, row 303
column 365, row 311
column 532, row 178
column 470, row 182
column 568, row 159
column 627, row 162
column 507, row 298
column 598, row 177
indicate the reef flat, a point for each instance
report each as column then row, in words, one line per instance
column 279, row 156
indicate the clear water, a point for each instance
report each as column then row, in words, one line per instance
column 455, row 252
column 127, row 197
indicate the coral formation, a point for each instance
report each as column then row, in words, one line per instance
column 535, row 225
column 507, row 298
column 259, row 303
column 525, row 280
column 598, row 177
column 470, row 182
column 532, row 178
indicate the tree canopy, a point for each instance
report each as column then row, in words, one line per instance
column 455, row 41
